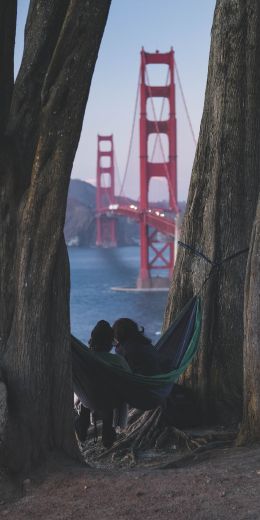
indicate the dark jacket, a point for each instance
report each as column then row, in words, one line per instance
column 141, row 357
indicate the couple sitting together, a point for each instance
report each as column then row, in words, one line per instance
column 130, row 343
column 134, row 352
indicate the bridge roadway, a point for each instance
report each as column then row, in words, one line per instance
column 152, row 217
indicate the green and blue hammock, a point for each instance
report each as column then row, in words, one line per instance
column 101, row 384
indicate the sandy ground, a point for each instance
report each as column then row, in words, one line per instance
column 221, row 484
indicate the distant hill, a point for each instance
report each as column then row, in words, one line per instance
column 83, row 192
column 80, row 224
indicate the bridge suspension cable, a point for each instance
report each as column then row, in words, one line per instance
column 117, row 170
column 131, row 137
column 185, row 105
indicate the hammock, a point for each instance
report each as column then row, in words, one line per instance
column 102, row 385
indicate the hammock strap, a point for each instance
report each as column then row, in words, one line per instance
column 196, row 252
column 234, row 255
column 213, row 270
column 215, row 266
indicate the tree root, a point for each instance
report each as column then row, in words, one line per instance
column 183, row 439
column 148, row 430
column 134, row 415
column 130, row 441
column 198, row 455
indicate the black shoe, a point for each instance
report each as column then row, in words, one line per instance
column 108, row 438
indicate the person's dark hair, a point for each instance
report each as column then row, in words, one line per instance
column 126, row 329
column 101, row 337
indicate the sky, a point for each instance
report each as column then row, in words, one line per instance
column 184, row 25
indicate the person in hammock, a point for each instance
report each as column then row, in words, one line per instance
column 136, row 348
column 101, row 343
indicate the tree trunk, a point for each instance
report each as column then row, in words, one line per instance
column 218, row 221
column 37, row 145
column 250, row 430
column 221, row 208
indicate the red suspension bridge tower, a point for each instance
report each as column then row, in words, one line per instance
column 105, row 194
column 157, row 225
column 156, row 253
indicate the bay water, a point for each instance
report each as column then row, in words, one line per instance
column 94, row 272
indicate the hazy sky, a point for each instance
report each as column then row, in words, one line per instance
column 154, row 24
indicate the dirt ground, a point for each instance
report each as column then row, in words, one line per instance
column 219, row 484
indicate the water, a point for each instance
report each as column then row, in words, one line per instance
column 93, row 273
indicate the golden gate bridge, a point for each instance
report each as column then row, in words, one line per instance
column 158, row 225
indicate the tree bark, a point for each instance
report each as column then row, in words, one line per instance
column 221, row 208
column 37, row 146
column 250, row 429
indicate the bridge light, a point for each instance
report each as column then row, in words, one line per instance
column 162, row 215
column 157, row 213
column 113, row 206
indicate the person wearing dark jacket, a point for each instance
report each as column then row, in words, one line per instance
column 100, row 344
column 137, row 349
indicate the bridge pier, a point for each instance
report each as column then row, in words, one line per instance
column 155, row 282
